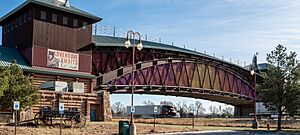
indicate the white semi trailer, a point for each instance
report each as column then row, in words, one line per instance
column 149, row 111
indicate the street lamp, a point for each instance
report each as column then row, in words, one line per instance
column 255, row 123
column 139, row 47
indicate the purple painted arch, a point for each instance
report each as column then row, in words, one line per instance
column 186, row 78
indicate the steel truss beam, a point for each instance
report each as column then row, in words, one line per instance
column 183, row 77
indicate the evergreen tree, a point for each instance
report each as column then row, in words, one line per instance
column 16, row 87
column 3, row 80
column 280, row 90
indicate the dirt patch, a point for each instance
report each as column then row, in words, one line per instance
column 99, row 128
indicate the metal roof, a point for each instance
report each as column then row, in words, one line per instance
column 51, row 4
column 119, row 42
column 7, row 55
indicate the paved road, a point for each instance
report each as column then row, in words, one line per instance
column 230, row 132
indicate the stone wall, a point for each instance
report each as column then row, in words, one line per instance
column 106, row 111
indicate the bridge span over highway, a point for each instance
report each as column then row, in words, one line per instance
column 162, row 69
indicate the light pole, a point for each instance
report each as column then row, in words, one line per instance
column 253, row 72
column 139, row 47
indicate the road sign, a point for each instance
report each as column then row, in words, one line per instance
column 61, row 107
column 155, row 109
column 16, row 105
column 132, row 109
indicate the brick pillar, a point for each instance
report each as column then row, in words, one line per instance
column 106, row 106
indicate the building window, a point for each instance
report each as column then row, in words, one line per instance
column 54, row 17
column 25, row 18
column 20, row 20
column 29, row 15
column 75, row 23
column 84, row 24
column 16, row 23
column 65, row 20
column 4, row 29
column 43, row 15
column 10, row 27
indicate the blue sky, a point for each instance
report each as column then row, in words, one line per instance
column 231, row 28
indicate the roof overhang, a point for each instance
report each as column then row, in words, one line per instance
column 71, row 10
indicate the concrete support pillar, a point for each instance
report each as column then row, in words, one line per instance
column 243, row 111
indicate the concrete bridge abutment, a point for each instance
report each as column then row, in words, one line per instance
column 243, row 110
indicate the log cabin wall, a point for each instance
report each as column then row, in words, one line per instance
column 38, row 79
column 81, row 101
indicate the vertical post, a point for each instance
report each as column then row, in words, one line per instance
column 132, row 79
column 226, row 119
column 255, row 125
column 60, row 123
column 193, row 121
column 253, row 72
column 16, row 120
column 127, row 44
column 154, row 121
column 114, row 34
column 132, row 126
column 95, row 29
column 255, row 96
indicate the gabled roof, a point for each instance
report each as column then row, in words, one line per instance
column 7, row 55
column 51, row 4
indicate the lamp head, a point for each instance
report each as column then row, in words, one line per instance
column 127, row 43
column 252, row 72
column 139, row 46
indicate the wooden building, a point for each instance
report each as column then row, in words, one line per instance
column 47, row 37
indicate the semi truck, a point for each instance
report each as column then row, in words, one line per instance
column 150, row 111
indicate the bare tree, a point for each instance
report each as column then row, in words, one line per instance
column 117, row 107
column 213, row 110
column 183, row 108
column 148, row 102
column 191, row 108
column 166, row 103
column 227, row 111
column 199, row 108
